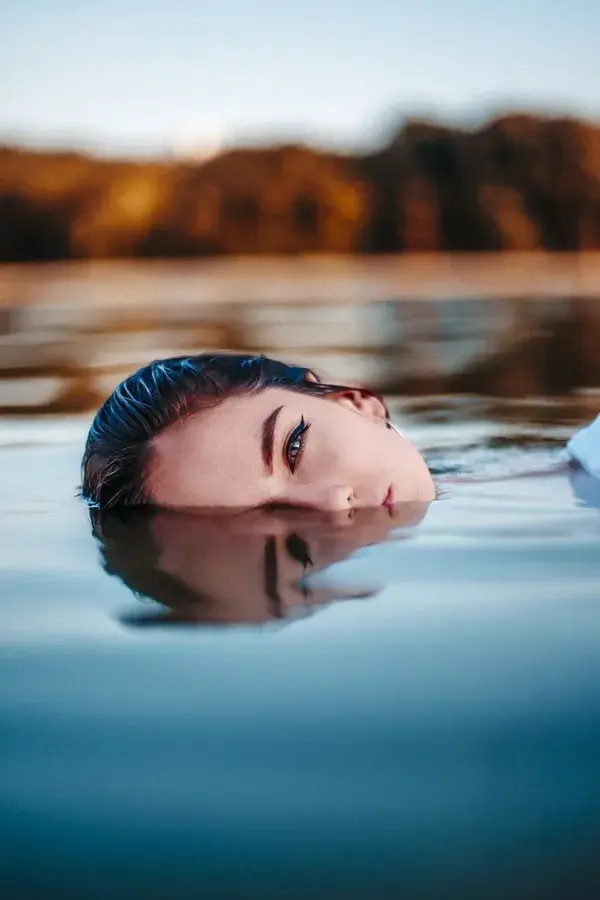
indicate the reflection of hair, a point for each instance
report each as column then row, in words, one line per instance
column 130, row 552
column 119, row 443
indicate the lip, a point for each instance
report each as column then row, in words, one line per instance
column 388, row 500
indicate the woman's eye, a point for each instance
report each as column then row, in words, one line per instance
column 298, row 549
column 295, row 444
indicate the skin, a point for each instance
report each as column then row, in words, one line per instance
column 350, row 458
column 224, row 559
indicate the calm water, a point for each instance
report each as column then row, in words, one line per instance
column 423, row 721
column 373, row 708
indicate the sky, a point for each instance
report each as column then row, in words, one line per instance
column 148, row 76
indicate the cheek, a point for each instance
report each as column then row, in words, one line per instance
column 413, row 472
column 348, row 449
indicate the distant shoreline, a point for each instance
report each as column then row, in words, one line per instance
column 518, row 183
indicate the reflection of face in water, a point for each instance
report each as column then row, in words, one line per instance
column 249, row 567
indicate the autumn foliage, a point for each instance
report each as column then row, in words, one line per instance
column 517, row 183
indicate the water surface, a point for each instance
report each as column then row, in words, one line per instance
column 363, row 708
column 424, row 722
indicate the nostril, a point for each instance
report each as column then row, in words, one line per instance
column 345, row 498
column 339, row 497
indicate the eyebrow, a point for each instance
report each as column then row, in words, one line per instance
column 268, row 439
column 273, row 596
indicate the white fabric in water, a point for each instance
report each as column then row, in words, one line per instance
column 584, row 447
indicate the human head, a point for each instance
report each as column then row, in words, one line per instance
column 228, row 568
column 238, row 430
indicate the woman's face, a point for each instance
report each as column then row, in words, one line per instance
column 286, row 447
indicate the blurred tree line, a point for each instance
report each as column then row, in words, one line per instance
column 518, row 183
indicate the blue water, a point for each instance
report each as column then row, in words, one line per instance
column 425, row 722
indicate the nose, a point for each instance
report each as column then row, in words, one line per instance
column 327, row 497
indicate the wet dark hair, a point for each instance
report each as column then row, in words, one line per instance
column 119, row 445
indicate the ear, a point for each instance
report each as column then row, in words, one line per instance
column 310, row 376
column 363, row 402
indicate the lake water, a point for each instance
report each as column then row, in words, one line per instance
column 363, row 708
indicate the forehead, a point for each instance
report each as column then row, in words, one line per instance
column 214, row 457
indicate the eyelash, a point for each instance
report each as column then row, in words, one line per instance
column 297, row 435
